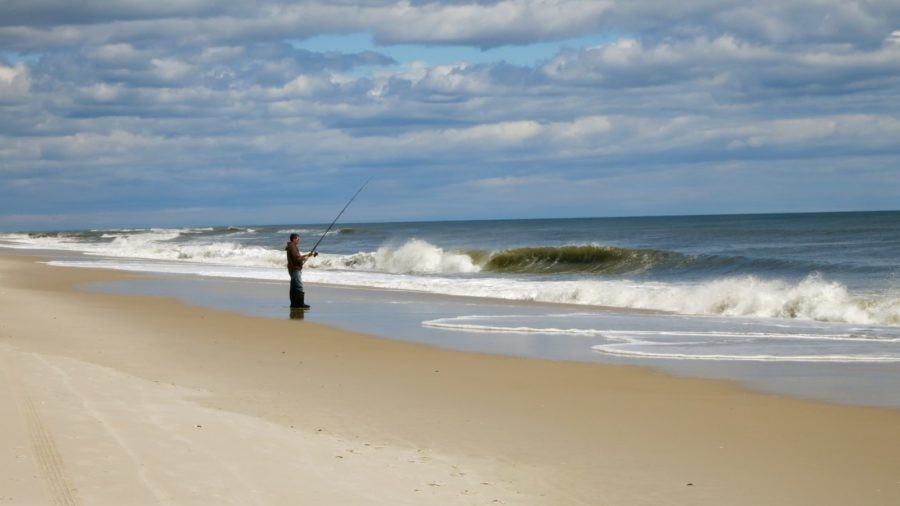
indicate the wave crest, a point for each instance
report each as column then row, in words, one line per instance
column 563, row 259
column 813, row 298
column 419, row 256
column 413, row 257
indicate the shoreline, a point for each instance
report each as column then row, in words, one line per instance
column 402, row 315
column 365, row 420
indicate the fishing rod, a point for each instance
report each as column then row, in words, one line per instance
column 313, row 250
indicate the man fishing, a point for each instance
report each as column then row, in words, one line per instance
column 295, row 263
column 296, row 260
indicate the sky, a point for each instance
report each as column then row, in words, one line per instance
column 206, row 112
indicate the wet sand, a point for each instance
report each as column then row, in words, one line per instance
column 121, row 399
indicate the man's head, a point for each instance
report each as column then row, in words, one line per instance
column 295, row 237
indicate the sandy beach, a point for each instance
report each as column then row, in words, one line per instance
column 115, row 399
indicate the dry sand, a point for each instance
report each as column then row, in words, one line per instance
column 110, row 399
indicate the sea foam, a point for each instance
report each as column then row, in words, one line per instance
column 412, row 257
column 676, row 338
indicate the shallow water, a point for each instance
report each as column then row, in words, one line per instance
column 406, row 316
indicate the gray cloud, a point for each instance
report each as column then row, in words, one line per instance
column 55, row 23
column 198, row 105
column 38, row 24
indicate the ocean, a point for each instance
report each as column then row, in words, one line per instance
column 821, row 288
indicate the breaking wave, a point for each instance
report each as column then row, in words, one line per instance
column 813, row 298
column 413, row 257
column 588, row 259
column 418, row 256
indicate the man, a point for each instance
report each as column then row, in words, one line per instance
column 295, row 263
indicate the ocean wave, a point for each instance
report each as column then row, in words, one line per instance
column 157, row 230
column 158, row 244
column 419, row 256
column 239, row 230
column 574, row 259
column 224, row 253
column 813, row 298
column 130, row 240
column 610, row 260
column 413, row 257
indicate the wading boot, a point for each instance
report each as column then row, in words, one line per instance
column 302, row 301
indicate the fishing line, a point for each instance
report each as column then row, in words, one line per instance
column 339, row 214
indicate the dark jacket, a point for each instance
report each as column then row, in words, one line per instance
column 294, row 260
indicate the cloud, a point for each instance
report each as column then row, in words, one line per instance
column 726, row 62
column 153, row 105
column 42, row 24
column 489, row 24
column 88, row 12
column 507, row 182
column 53, row 23
column 15, row 83
column 767, row 22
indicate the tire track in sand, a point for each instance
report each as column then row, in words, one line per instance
column 89, row 408
column 62, row 493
